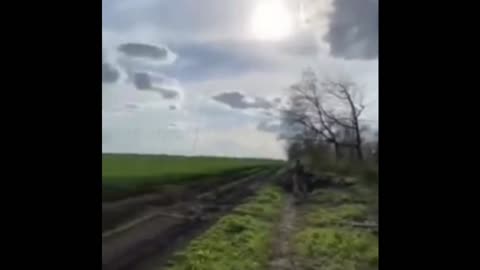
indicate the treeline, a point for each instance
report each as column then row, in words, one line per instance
column 324, row 125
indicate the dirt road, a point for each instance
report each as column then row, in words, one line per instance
column 281, row 258
column 149, row 238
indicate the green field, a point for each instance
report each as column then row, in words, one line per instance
column 126, row 174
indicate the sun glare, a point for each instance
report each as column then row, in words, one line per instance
column 271, row 20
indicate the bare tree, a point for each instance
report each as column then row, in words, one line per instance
column 306, row 113
column 328, row 110
column 349, row 99
column 294, row 149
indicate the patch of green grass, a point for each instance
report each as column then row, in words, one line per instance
column 129, row 175
column 336, row 248
column 237, row 241
column 265, row 205
column 367, row 172
column 332, row 196
column 336, row 215
column 325, row 238
column 144, row 168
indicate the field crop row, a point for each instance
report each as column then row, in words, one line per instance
column 129, row 175
column 128, row 168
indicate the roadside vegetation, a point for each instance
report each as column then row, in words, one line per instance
column 241, row 240
column 334, row 231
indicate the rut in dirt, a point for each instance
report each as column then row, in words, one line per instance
column 149, row 244
column 282, row 258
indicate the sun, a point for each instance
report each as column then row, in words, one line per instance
column 271, row 20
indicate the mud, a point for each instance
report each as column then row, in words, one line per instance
column 116, row 212
column 281, row 258
column 147, row 241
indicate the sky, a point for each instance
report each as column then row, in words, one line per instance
column 191, row 77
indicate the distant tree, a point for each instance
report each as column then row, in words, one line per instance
column 294, row 150
column 349, row 101
column 328, row 111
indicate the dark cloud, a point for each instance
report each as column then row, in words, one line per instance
column 143, row 50
column 172, row 107
column 233, row 99
column 205, row 60
column 277, row 100
column 353, row 30
column 269, row 126
column 109, row 73
column 166, row 93
column 301, row 44
column 262, row 103
column 236, row 100
column 142, row 81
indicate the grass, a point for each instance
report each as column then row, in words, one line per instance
column 330, row 216
column 117, row 168
column 337, row 248
column 127, row 175
column 264, row 206
column 239, row 241
column 325, row 239
column 333, row 197
column 366, row 171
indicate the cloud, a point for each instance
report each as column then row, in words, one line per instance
column 353, row 29
column 180, row 19
column 261, row 103
column 300, row 44
column 166, row 93
column 199, row 61
column 214, row 74
column 269, row 126
column 143, row 51
column 109, row 73
column 233, row 99
column 237, row 100
column 142, row 81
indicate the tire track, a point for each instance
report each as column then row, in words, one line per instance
column 150, row 239
column 282, row 258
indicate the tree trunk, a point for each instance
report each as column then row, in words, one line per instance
column 359, row 151
column 337, row 151
column 358, row 141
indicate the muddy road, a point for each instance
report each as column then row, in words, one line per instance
column 120, row 211
column 156, row 230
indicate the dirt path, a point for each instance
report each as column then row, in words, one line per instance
column 119, row 211
column 150, row 239
column 282, row 254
